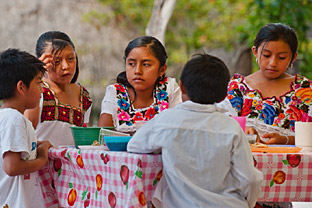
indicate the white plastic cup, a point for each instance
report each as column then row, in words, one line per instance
column 303, row 135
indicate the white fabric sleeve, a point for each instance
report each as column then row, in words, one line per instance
column 226, row 104
column 87, row 115
column 143, row 141
column 15, row 139
column 174, row 91
column 109, row 102
column 249, row 178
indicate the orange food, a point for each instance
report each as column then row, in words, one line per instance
column 99, row 181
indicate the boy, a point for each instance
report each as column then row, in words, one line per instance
column 206, row 157
column 21, row 158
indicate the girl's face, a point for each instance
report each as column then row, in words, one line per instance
column 64, row 66
column 143, row 69
column 274, row 57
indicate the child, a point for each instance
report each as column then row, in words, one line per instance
column 20, row 154
column 64, row 103
column 271, row 99
column 142, row 91
column 206, row 157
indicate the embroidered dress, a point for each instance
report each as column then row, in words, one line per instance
column 56, row 118
column 118, row 103
column 271, row 114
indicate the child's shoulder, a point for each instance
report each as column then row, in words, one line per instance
column 11, row 116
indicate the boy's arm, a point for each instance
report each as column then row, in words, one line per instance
column 13, row 164
column 143, row 140
column 248, row 177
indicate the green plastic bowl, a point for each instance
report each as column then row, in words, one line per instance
column 117, row 143
column 86, row 135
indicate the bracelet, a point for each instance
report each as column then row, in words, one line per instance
column 287, row 139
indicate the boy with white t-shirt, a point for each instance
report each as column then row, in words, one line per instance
column 21, row 156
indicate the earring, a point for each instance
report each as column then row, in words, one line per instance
column 257, row 60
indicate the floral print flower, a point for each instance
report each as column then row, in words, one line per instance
column 123, row 116
column 138, row 116
column 123, row 104
column 237, row 103
column 267, row 114
column 162, row 95
column 150, row 113
column 120, row 88
column 164, row 105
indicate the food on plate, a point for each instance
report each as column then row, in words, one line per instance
column 259, row 145
column 96, row 143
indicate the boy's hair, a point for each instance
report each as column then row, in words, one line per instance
column 15, row 66
column 205, row 79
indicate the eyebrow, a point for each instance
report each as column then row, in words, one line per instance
column 144, row 60
column 266, row 50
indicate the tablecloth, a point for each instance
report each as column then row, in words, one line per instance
column 95, row 178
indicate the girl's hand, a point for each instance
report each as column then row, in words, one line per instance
column 250, row 130
column 274, row 138
column 48, row 60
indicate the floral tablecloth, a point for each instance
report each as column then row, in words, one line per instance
column 287, row 177
column 96, row 178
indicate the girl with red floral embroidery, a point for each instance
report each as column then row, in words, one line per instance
column 64, row 103
column 142, row 91
column 271, row 99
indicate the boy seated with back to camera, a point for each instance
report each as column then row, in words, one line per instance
column 206, row 157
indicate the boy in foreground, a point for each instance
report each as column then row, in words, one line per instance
column 206, row 157
column 21, row 155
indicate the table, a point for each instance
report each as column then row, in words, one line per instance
column 287, row 177
column 96, row 178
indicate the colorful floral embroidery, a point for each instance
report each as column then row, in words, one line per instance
column 53, row 110
column 128, row 115
column 281, row 112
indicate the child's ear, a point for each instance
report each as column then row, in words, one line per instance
column 20, row 87
column 254, row 51
column 183, row 92
column 162, row 70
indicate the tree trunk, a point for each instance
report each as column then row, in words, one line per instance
column 162, row 11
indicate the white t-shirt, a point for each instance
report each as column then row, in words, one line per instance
column 17, row 135
column 207, row 161
column 110, row 102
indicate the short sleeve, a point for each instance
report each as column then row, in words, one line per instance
column 14, row 136
column 109, row 101
column 175, row 95
column 87, row 115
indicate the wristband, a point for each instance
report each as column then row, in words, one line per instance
column 287, row 139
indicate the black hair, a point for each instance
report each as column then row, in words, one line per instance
column 154, row 46
column 205, row 79
column 276, row 32
column 15, row 66
column 59, row 41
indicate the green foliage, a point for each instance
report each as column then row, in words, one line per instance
column 196, row 24
column 295, row 13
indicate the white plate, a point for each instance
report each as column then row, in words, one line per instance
column 90, row 147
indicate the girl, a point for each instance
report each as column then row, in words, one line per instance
column 142, row 91
column 64, row 103
column 271, row 99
